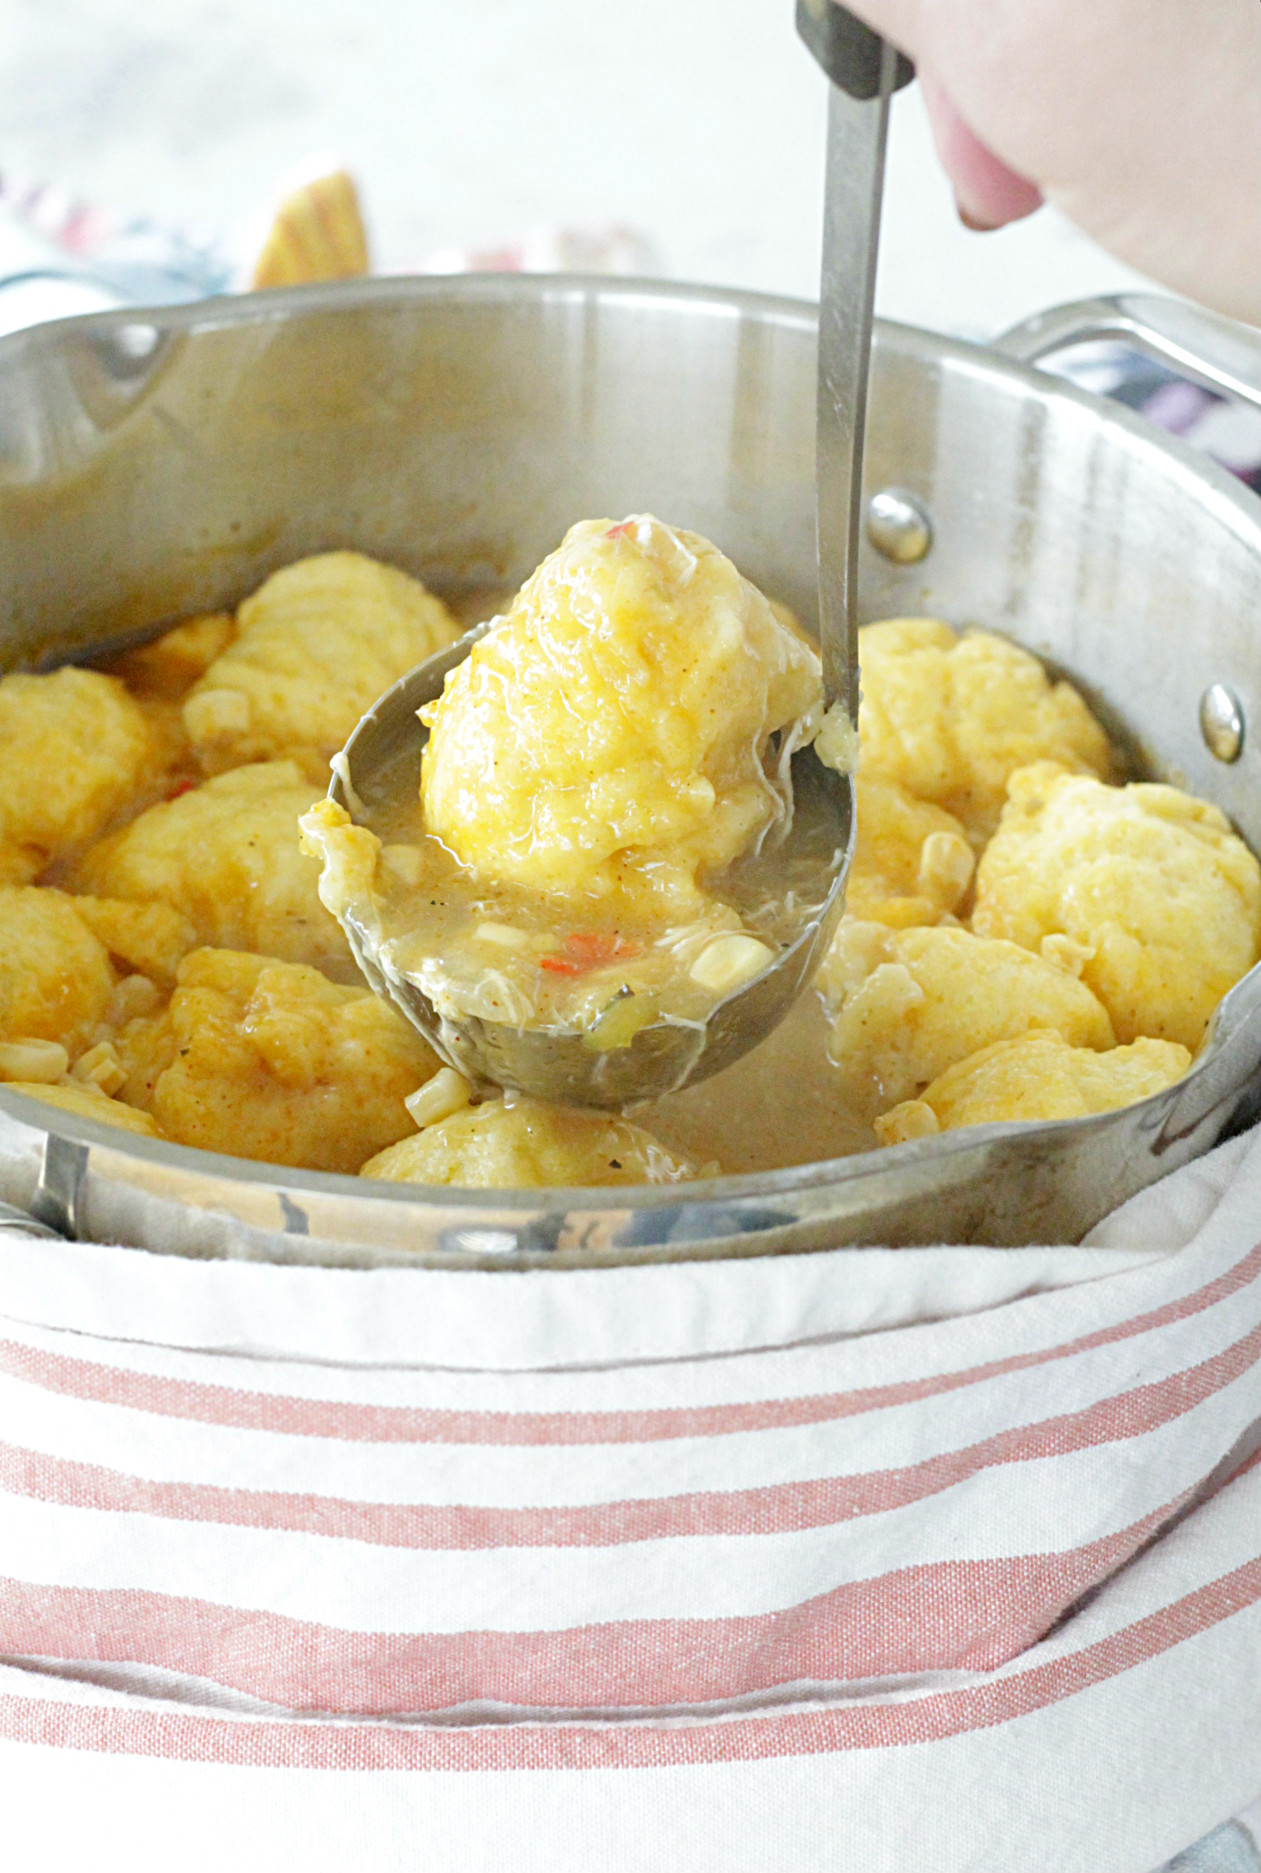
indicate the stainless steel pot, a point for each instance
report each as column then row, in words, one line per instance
column 154, row 464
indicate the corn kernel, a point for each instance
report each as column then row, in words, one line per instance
column 504, row 936
column 912, row 1119
column 946, row 864
column 36, row 1061
column 730, row 960
column 134, row 995
column 447, row 1092
column 101, row 1067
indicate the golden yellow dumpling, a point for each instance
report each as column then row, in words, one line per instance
column 272, row 1061
column 55, row 975
column 907, row 1004
column 949, row 717
column 609, row 737
column 60, row 962
column 912, row 861
column 151, row 939
column 1037, row 1076
column 315, row 646
column 20, row 864
column 226, row 857
column 1146, row 887
column 528, row 1145
column 74, row 749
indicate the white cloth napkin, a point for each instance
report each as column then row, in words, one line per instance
column 943, row 1558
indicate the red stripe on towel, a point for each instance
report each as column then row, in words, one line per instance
column 943, row 1616
column 770, row 1509
column 871, row 1724
column 357, row 1422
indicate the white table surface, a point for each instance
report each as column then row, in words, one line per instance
column 698, row 123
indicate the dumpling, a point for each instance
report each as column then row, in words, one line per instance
column 1037, row 1076
column 226, row 857
column 20, row 864
column 74, row 968
column 56, row 981
column 949, row 718
column 610, row 737
column 1150, row 892
column 315, row 646
column 272, row 1061
column 907, row 1004
column 159, row 675
column 74, row 750
column 151, row 939
column 528, row 1145
column 912, row 861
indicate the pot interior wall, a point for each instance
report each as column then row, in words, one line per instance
column 149, row 468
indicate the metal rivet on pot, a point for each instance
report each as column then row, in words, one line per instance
column 1221, row 722
column 129, row 352
column 483, row 1241
column 136, row 341
column 898, row 526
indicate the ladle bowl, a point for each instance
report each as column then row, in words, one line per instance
column 383, row 757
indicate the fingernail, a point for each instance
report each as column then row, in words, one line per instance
column 975, row 225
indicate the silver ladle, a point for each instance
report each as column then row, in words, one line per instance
column 381, row 761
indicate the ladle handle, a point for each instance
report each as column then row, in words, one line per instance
column 848, row 51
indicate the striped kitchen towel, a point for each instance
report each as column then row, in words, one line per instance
column 933, row 1559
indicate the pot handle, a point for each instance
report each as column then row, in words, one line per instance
column 55, row 1205
column 1210, row 350
column 22, row 1223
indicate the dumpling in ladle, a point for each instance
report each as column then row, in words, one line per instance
column 602, row 797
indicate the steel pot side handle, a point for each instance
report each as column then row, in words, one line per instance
column 14, row 1221
column 849, row 52
column 54, row 1209
column 1218, row 353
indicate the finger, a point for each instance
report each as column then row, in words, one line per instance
column 988, row 194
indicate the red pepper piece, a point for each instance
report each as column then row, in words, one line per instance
column 557, row 966
column 181, row 786
column 586, row 950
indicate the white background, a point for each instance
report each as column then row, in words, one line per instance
column 698, row 123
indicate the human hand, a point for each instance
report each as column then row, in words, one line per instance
column 1139, row 119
